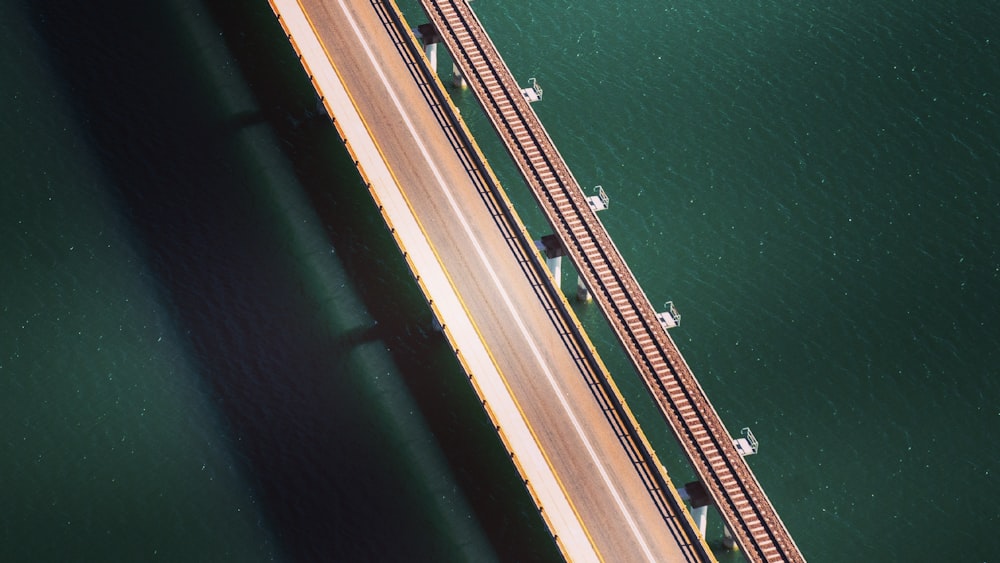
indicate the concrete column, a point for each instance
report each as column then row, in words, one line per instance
column 582, row 293
column 728, row 541
column 555, row 266
column 432, row 55
column 700, row 515
column 458, row 80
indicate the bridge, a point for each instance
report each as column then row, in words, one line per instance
column 583, row 457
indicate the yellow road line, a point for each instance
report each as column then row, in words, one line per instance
column 426, row 291
column 565, row 306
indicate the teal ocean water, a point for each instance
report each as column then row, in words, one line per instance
column 210, row 349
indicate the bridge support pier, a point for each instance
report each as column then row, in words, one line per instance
column 695, row 493
column 728, row 541
column 699, row 498
column 582, row 293
column 700, row 515
column 553, row 248
column 431, row 50
column 456, row 77
column 555, row 266
column 554, row 251
column 429, row 36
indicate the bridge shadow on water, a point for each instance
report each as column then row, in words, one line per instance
column 281, row 376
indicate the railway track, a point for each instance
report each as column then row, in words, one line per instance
column 707, row 444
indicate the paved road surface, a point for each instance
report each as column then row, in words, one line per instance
column 486, row 267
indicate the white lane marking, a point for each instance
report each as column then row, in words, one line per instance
column 496, row 280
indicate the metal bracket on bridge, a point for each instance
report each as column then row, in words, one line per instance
column 669, row 318
column 599, row 202
column 532, row 93
column 746, row 444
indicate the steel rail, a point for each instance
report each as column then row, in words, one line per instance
column 695, row 423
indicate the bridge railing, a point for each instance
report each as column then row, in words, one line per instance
column 683, row 403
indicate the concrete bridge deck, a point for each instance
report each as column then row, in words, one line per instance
column 582, row 456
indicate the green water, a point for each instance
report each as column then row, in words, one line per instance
column 815, row 189
column 111, row 449
column 210, row 349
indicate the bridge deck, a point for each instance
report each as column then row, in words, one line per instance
column 698, row 428
column 571, row 437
